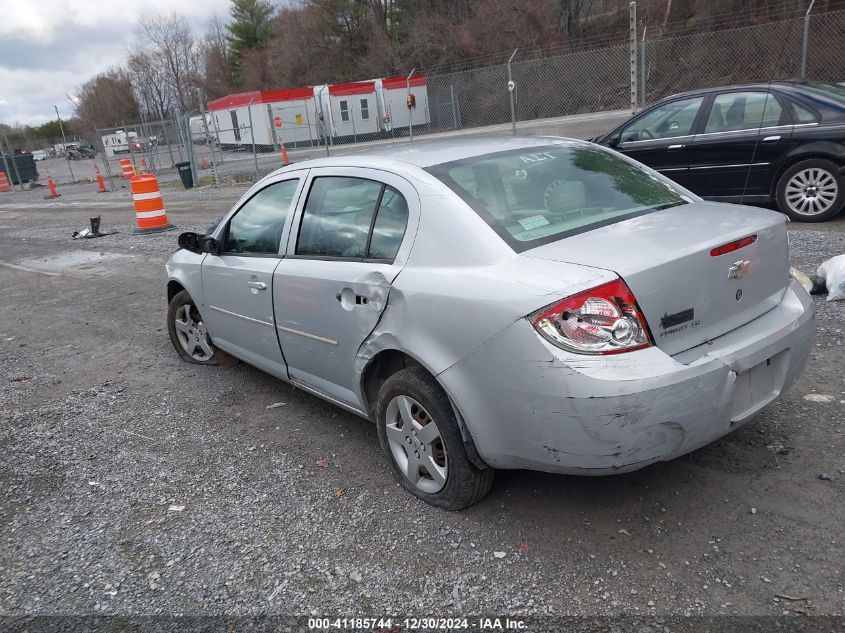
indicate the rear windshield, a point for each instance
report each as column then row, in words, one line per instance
column 542, row 194
column 835, row 91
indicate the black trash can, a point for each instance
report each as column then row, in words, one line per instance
column 185, row 174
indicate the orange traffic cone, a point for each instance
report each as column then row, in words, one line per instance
column 203, row 163
column 4, row 182
column 126, row 168
column 149, row 207
column 285, row 159
column 100, row 183
column 52, row 185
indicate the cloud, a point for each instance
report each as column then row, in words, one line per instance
column 48, row 48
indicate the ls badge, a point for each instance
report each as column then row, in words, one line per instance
column 739, row 269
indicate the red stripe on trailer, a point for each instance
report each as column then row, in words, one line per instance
column 287, row 94
column 393, row 83
column 260, row 96
column 360, row 88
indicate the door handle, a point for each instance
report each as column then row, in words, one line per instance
column 258, row 285
column 675, row 147
column 771, row 139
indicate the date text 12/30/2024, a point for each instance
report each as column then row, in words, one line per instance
column 397, row 625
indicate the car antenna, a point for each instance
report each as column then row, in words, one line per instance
column 756, row 142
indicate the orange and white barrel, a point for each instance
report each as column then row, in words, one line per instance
column 4, row 182
column 127, row 168
column 149, row 206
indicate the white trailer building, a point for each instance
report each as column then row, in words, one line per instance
column 116, row 143
column 276, row 116
column 354, row 109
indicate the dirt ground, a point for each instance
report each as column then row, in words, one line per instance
column 133, row 483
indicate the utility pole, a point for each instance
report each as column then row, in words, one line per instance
column 64, row 143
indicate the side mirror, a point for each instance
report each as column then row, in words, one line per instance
column 613, row 141
column 198, row 244
column 190, row 242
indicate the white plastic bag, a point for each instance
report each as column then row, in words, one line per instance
column 833, row 272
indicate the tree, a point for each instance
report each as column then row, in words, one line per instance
column 250, row 31
column 216, row 78
column 166, row 44
column 107, row 100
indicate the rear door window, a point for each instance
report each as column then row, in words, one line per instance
column 352, row 218
column 733, row 111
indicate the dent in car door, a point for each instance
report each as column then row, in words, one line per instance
column 659, row 138
column 329, row 291
column 238, row 284
column 742, row 137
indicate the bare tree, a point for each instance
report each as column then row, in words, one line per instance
column 150, row 82
column 169, row 41
column 107, row 100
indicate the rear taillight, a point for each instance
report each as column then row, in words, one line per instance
column 603, row 320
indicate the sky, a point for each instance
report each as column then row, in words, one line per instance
column 48, row 48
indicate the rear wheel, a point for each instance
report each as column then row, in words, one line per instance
column 420, row 436
column 188, row 333
column 811, row 191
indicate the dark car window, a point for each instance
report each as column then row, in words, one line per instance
column 257, row 226
column 665, row 121
column 733, row 111
column 538, row 195
column 389, row 227
column 800, row 114
column 337, row 217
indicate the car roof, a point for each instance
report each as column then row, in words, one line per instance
column 427, row 153
column 788, row 84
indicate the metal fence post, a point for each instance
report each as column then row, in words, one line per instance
column 632, row 40
column 410, row 109
column 642, row 70
column 321, row 118
column 805, row 44
column 64, row 141
column 511, row 88
column 251, row 136
column 209, row 140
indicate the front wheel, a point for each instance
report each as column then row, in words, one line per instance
column 811, row 191
column 187, row 331
column 420, row 436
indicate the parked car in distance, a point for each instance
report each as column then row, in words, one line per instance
column 780, row 142
column 140, row 144
column 39, row 154
column 81, row 152
column 500, row 303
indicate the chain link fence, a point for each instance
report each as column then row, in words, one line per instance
column 225, row 145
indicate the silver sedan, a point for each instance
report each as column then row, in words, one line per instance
column 500, row 303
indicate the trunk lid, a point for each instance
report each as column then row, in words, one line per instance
column 687, row 295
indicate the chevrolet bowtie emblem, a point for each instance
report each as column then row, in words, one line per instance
column 738, row 270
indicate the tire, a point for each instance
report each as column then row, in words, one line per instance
column 200, row 350
column 457, row 483
column 811, row 190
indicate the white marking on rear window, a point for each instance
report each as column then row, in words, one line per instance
column 533, row 222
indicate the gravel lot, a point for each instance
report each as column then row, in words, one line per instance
column 133, row 483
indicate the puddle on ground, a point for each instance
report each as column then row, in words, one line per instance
column 71, row 261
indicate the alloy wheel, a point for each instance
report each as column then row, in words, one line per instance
column 191, row 332
column 416, row 444
column 811, row 191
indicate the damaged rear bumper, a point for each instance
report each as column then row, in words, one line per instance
column 531, row 405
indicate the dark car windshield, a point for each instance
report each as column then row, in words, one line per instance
column 541, row 194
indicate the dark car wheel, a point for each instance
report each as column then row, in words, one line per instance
column 188, row 333
column 420, row 436
column 811, row 190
